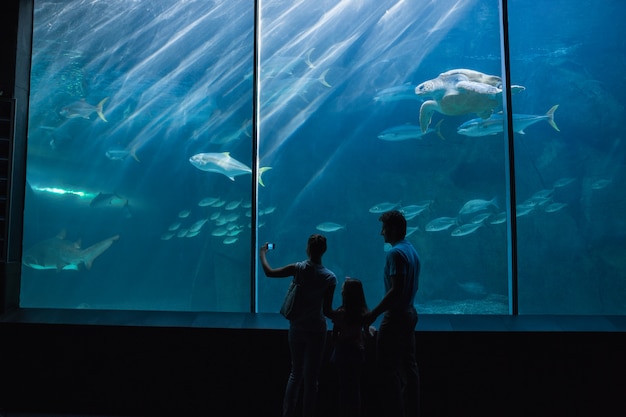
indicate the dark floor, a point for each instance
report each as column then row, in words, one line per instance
column 138, row 364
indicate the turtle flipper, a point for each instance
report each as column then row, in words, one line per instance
column 426, row 114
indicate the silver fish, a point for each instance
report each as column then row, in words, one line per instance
column 524, row 208
column 384, row 207
column 407, row 132
column 233, row 205
column 466, row 229
column 498, row 218
column 223, row 163
column 329, row 227
column 480, row 218
column 562, row 182
column 413, row 210
column 208, row 201
column 397, row 93
column 196, row 226
column 495, row 123
column 174, row 226
column 552, row 207
column 600, row 184
column 411, row 230
column 120, row 154
column 476, row 205
column 440, row 223
column 83, row 109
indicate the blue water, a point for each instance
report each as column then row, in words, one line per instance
column 179, row 81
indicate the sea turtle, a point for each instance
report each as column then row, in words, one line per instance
column 461, row 91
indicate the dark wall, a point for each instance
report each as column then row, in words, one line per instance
column 8, row 41
column 139, row 371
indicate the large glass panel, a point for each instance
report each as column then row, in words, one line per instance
column 571, row 174
column 123, row 94
column 340, row 129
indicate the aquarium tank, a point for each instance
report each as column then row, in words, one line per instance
column 168, row 140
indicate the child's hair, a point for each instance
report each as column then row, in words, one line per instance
column 353, row 300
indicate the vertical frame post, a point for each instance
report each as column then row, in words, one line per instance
column 509, row 160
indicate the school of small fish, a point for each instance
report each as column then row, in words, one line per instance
column 226, row 220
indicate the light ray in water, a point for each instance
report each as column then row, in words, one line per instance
column 395, row 31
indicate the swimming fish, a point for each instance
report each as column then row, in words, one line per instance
column 233, row 205
column 473, row 206
column 57, row 253
column 83, row 109
column 197, row 226
column 408, row 132
column 397, row 93
column 223, row 163
column 120, row 154
column 440, row 223
column 466, row 229
column 552, row 207
column 562, row 182
column 208, row 201
column 600, row 184
column 413, row 210
column 494, row 124
column 498, row 218
column 329, row 227
column 105, row 199
column 383, row 207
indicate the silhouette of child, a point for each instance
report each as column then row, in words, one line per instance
column 349, row 332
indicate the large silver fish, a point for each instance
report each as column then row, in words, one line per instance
column 383, row 207
column 223, row 163
column 397, row 93
column 329, row 227
column 407, row 132
column 495, row 124
column 441, row 223
column 57, row 253
column 83, row 109
column 476, row 205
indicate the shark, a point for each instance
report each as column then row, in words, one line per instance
column 60, row 254
column 106, row 199
column 223, row 163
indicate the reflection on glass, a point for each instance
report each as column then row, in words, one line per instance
column 126, row 99
column 570, row 180
column 348, row 137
